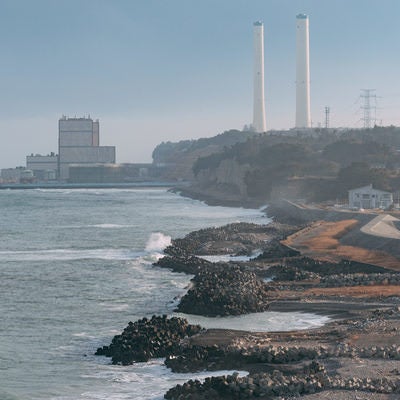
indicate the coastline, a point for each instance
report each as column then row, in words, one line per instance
column 60, row 185
column 365, row 316
column 216, row 200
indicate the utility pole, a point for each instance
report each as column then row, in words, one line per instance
column 368, row 118
column 327, row 112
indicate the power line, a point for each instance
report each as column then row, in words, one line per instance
column 327, row 112
column 369, row 110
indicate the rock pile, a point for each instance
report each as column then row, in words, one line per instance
column 196, row 358
column 238, row 237
column 360, row 279
column 224, row 290
column 276, row 250
column 211, row 358
column 290, row 273
column 187, row 264
column 148, row 338
column 270, row 385
column 328, row 268
column 199, row 358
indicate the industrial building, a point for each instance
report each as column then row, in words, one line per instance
column 114, row 173
column 79, row 143
column 303, row 113
column 11, row 175
column 367, row 197
column 259, row 122
column 44, row 167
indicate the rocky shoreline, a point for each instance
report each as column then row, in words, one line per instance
column 357, row 352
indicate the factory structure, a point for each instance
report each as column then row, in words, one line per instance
column 259, row 123
column 303, row 114
column 80, row 160
column 78, row 144
column 303, row 108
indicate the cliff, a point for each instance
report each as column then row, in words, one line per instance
column 244, row 168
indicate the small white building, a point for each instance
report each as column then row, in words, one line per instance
column 367, row 197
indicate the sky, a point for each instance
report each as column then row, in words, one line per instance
column 167, row 70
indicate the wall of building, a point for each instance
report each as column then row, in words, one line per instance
column 39, row 162
column 367, row 197
column 113, row 173
column 11, row 175
column 79, row 144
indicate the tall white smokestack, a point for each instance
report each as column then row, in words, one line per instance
column 303, row 117
column 259, row 124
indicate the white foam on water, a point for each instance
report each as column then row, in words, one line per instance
column 101, row 226
column 151, row 258
column 229, row 257
column 69, row 254
column 114, row 306
column 110, row 226
column 157, row 242
column 267, row 321
column 141, row 381
column 83, row 335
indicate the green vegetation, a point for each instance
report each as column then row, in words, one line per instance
column 317, row 165
column 167, row 151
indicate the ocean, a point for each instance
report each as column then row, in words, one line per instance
column 76, row 267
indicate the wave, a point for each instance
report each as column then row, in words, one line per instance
column 229, row 257
column 110, row 226
column 157, row 242
column 148, row 381
column 69, row 254
column 101, row 226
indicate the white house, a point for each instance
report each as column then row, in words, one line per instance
column 368, row 197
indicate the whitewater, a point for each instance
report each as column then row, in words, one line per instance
column 76, row 267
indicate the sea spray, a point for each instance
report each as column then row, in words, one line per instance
column 157, row 242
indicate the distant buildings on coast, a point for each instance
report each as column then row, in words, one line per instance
column 78, row 143
column 80, row 159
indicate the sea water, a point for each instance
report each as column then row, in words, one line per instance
column 76, row 267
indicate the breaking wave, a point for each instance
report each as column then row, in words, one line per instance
column 157, row 242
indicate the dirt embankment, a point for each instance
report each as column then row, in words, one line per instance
column 349, row 235
column 322, row 240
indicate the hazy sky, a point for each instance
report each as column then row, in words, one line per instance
column 159, row 70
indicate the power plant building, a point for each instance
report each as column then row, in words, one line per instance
column 44, row 167
column 259, row 122
column 78, row 143
column 303, row 114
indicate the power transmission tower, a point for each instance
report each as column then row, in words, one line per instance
column 327, row 112
column 369, row 110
